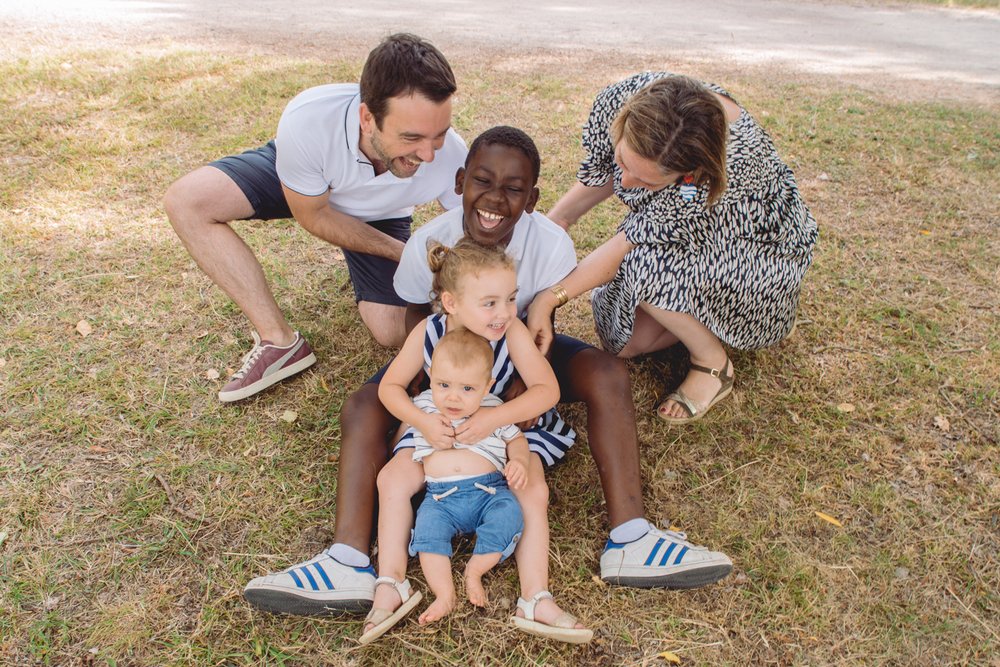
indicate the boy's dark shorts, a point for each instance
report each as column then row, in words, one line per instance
column 254, row 173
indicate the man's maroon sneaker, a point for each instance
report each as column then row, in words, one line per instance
column 267, row 364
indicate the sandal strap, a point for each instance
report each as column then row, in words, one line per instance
column 685, row 402
column 528, row 606
column 402, row 587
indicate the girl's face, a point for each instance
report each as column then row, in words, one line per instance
column 485, row 302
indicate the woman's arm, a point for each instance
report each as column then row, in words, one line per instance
column 577, row 201
column 595, row 269
column 542, row 390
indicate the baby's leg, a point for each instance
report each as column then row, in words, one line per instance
column 478, row 565
column 398, row 480
column 532, row 553
column 437, row 572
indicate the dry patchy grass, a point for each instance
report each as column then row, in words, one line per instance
column 134, row 506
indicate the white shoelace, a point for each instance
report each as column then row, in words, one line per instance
column 249, row 359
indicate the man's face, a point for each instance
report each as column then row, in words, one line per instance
column 497, row 188
column 458, row 389
column 412, row 130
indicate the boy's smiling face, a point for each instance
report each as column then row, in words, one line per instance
column 497, row 187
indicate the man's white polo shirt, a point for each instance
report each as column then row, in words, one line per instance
column 542, row 251
column 318, row 151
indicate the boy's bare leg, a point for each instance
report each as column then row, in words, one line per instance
column 532, row 554
column 398, row 481
column 437, row 572
column 478, row 565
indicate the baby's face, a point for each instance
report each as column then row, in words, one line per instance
column 457, row 389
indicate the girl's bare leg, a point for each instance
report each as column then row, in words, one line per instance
column 398, row 481
column 532, row 554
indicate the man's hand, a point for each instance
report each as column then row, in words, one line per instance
column 516, row 473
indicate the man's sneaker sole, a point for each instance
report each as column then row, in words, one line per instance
column 692, row 578
column 265, row 382
column 282, row 602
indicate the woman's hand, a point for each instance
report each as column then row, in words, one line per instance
column 540, row 320
column 437, row 431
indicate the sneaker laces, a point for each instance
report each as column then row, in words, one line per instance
column 250, row 358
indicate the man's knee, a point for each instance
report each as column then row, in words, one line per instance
column 204, row 196
column 385, row 322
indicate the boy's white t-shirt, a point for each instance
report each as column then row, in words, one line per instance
column 317, row 147
column 542, row 251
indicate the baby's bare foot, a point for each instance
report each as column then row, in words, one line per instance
column 440, row 608
column 474, row 589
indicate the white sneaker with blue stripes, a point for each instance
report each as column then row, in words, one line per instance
column 319, row 586
column 662, row 559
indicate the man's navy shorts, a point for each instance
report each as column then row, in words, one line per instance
column 254, row 173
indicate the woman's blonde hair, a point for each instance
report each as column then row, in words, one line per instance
column 451, row 265
column 681, row 126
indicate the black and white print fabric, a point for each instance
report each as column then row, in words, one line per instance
column 736, row 267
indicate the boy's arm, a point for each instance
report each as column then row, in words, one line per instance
column 577, row 201
column 595, row 269
column 415, row 314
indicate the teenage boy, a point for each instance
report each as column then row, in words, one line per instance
column 498, row 188
column 349, row 163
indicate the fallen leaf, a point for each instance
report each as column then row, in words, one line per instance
column 3, row 362
column 322, row 383
column 99, row 450
column 290, row 416
column 846, row 407
column 925, row 232
column 212, row 374
column 333, row 458
column 942, row 423
column 795, row 417
column 823, row 177
column 597, row 580
column 51, row 602
column 83, row 328
column 670, row 657
column 829, row 519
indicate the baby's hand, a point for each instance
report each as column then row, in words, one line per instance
column 438, row 431
column 516, row 473
column 475, row 428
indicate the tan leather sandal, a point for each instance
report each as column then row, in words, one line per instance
column 562, row 629
column 382, row 620
column 694, row 414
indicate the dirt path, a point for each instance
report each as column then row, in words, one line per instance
column 939, row 51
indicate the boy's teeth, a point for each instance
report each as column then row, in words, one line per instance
column 493, row 217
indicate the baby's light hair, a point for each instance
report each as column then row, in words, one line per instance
column 465, row 349
column 451, row 265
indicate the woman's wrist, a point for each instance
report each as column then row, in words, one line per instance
column 558, row 292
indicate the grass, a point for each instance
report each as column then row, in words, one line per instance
column 134, row 506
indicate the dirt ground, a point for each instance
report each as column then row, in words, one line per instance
column 912, row 51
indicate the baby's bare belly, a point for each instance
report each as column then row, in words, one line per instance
column 451, row 462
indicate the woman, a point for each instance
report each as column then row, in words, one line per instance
column 715, row 243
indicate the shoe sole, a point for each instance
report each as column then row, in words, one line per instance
column 265, row 382
column 694, row 578
column 282, row 602
column 389, row 623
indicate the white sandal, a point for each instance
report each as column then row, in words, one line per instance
column 385, row 619
column 562, row 629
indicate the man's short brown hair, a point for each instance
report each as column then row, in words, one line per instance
column 401, row 65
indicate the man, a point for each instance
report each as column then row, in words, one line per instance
column 349, row 163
